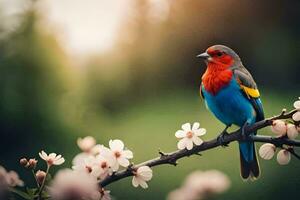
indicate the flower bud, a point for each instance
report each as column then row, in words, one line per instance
column 283, row 157
column 292, row 131
column 296, row 116
column 32, row 163
column 279, row 127
column 86, row 144
column 23, row 162
column 267, row 151
column 40, row 176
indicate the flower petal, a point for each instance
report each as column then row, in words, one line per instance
column 283, row 157
column 79, row 158
column 143, row 184
column 180, row 134
column 52, row 155
column 197, row 141
column 135, row 182
column 123, row 162
column 196, row 126
column 279, row 127
column 296, row 116
column 59, row 162
column 57, row 157
column 145, row 173
column 186, row 127
column 297, row 104
column 115, row 166
column 116, row 145
column 292, row 131
column 127, row 154
column 267, row 151
column 189, row 144
column 43, row 155
column 182, row 143
column 200, row 132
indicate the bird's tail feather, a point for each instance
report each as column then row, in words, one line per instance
column 248, row 160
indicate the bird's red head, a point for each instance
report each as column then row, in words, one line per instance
column 219, row 59
column 219, row 56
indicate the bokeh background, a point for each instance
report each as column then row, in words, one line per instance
column 127, row 69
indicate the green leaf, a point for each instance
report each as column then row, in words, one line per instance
column 21, row 193
column 31, row 191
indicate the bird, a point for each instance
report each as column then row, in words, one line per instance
column 231, row 94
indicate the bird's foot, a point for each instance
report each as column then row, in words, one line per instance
column 243, row 128
column 221, row 138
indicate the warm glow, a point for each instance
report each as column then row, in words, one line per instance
column 85, row 26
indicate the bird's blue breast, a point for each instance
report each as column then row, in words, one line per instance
column 229, row 105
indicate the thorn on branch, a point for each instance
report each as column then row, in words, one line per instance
column 173, row 162
column 130, row 167
column 198, row 154
column 283, row 112
column 162, row 154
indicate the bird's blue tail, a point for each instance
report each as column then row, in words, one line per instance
column 249, row 163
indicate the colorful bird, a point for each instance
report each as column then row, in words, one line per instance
column 231, row 94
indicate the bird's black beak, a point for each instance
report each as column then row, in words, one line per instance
column 203, row 56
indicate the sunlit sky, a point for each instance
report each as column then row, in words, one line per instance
column 85, row 26
column 81, row 26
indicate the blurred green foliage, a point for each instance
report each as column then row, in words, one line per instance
column 143, row 90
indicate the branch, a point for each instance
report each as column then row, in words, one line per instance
column 171, row 158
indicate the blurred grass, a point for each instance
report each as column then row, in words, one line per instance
column 150, row 125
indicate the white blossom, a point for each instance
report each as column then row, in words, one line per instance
column 279, row 127
column 141, row 176
column 212, row 181
column 79, row 158
column 267, row 151
column 86, row 143
column 200, row 185
column 100, row 149
column 296, row 116
column 119, row 154
column 283, row 157
column 88, row 166
column 189, row 135
column 292, row 131
column 104, row 164
column 13, row 179
column 52, row 158
column 69, row 184
column 9, row 179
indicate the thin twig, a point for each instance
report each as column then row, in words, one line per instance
column 173, row 157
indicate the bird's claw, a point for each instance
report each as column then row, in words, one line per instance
column 244, row 136
column 221, row 139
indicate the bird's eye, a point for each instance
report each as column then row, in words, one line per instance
column 219, row 54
